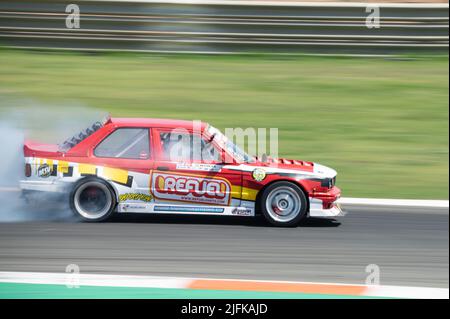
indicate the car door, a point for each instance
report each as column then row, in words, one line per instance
column 189, row 174
column 125, row 158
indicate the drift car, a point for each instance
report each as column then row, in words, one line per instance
column 125, row 165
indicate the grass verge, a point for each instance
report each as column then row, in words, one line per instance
column 381, row 123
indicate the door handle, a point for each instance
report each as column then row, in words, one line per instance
column 162, row 168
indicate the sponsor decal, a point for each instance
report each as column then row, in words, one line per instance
column 259, row 174
column 188, row 209
column 191, row 188
column 242, row 212
column 44, row 171
column 199, row 167
column 134, row 207
column 135, row 196
column 245, row 203
column 67, row 169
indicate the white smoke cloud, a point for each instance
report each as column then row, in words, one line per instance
column 20, row 120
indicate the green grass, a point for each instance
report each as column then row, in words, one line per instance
column 382, row 124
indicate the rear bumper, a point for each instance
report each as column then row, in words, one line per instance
column 43, row 186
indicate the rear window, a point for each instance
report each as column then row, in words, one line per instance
column 132, row 143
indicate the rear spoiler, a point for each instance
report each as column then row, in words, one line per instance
column 36, row 149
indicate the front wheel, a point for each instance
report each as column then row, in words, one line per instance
column 93, row 200
column 283, row 204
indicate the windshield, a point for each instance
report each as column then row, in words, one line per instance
column 237, row 153
column 77, row 138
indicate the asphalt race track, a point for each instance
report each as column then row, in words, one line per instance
column 410, row 245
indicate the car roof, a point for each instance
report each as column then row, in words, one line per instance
column 154, row 122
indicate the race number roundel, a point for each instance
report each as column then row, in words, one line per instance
column 259, row 174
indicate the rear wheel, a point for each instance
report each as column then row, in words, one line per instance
column 283, row 204
column 93, row 200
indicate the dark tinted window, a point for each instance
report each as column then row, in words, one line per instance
column 125, row 143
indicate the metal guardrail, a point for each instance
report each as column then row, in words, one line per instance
column 225, row 27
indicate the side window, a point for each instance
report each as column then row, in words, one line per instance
column 184, row 147
column 131, row 143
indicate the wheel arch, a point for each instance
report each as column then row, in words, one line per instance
column 105, row 211
column 261, row 191
column 87, row 177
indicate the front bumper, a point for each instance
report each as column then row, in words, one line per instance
column 318, row 211
column 324, row 204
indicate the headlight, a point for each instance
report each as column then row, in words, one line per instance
column 328, row 182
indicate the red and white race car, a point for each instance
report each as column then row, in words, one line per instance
column 125, row 165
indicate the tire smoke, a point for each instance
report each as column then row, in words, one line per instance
column 47, row 124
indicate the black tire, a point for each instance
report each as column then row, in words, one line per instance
column 93, row 200
column 290, row 200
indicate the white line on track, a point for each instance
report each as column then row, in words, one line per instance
column 394, row 202
column 93, row 280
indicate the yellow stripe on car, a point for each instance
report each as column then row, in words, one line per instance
column 63, row 167
column 249, row 193
column 243, row 193
column 87, row 169
column 115, row 175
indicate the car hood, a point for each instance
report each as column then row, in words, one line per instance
column 288, row 166
column 324, row 171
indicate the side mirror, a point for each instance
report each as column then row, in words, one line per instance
column 211, row 138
